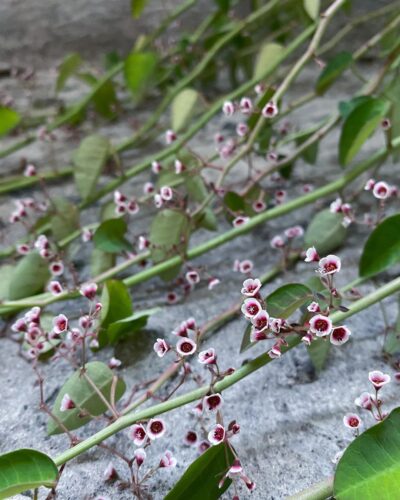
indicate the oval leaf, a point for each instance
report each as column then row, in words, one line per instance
column 137, row 7
column 110, row 236
column 359, row 125
column 117, row 304
column 67, row 68
column 9, row 119
column 332, row 71
column 89, row 160
column 66, row 219
column 382, row 249
column 182, row 108
column 201, row 478
column 29, row 277
column 370, row 467
column 85, row 396
column 169, row 235
column 25, row 469
column 325, row 232
column 312, row 8
column 139, row 68
column 268, row 56
column 127, row 326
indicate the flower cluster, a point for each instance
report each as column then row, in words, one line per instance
column 381, row 189
column 38, row 337
column 26, row 207
column 124, row 205
column 369, row 402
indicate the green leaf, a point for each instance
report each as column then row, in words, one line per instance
column 370, row 467
column 137, row 7
column 318, row 351
column 117, row 302
column 325, row 232
column 335, row 67
column 67, row 68
column 382, row 249
column 285, row 300
column 281, row 303
column 101, row 261
column 310, row 154
column 66, row 219
column 201, row 478
column 197, row 191
column 139, row 69
column 6, row 273
column 9, row 119
column 169, row 235
column 312, row 8
column 105, row 100
column 359, row 125
column 29, row 277
column 346, row 107
column 89, row 160
column 183, row 107
column 110, row 236
column 267, row 57
column 127, row 326
column 234, row 201
column 25, row 469
column 85, row 396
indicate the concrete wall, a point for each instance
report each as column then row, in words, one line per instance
column 38, row 31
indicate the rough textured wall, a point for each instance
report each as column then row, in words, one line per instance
column 35, row 30
column 39, row 31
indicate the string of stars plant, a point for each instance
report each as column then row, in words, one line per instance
column 185, row 191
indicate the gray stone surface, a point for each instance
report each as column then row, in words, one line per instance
column 291, row 420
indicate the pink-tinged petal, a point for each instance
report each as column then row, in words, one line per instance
column 329, row 265
column 251, row 287
column 277, row 242
column 155, row 428
column 381, row 190
column 208, row 357
column 364, row 401
column 191, row 438
column 340, row 335
column 192, row 277
column 294, row 232
column 168, row 460
column 110, row 472
column 213, row 402
column 138, row 434
column 250, row 308
column 89, row 290
column 320, row 325
column 352, row 421
column 186, row 346
column 270, row 110
column 60, row 323
column 228, row 108
column 311, row 255
column 216, row 434
column 67, row 403
column 161, row 348
column 140, row 456
column 378, row 379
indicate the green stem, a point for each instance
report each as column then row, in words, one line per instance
column 244, row 371
column 330, row 188
column 318, row 491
